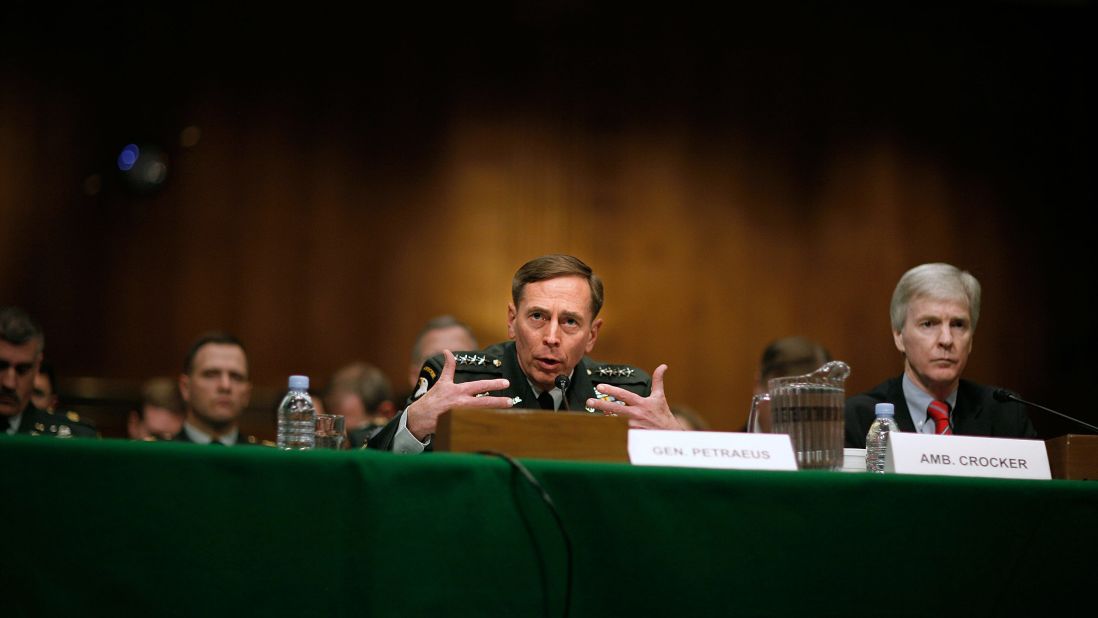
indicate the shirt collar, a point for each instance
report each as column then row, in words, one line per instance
column 198, row 436
column 917, row 402
column 555, row 393
column 14, row 422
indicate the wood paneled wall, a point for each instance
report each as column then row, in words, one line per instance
column 323, row 219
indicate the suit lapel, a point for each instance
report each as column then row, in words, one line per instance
column 967, row 409
column 896, row 396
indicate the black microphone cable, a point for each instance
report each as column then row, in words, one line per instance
column 548, row 500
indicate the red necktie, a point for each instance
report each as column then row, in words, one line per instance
column 939, row 411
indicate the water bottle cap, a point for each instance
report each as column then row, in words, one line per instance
column 300, row 383
column 885, row 409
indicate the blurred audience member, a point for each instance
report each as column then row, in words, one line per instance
column 216, row 389
column 444, row 332
column 318, row 402
column 160, row 415
column 689, row 418
column 44, row 395
column 363, row 395
column 21, row 345
column 790, row 356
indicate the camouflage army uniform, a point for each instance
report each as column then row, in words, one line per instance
column 500, row 361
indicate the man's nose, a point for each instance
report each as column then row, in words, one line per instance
column 7, row 377
column 552, row 334
column 224, row 382
column 945, row 336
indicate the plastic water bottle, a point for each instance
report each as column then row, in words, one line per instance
column 297, row 417
column 876, row 441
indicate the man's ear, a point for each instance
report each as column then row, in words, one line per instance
column 898, row 339
column 512, row 313
column 595, row 326
column 185, row 387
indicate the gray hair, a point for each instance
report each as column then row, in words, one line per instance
column 17, row 328
column 938, row 281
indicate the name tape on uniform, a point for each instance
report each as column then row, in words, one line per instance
column 920, row 453
column 711, row 449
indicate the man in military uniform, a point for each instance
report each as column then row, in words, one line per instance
column 553, row 323
column 215, row 390
column 21, row 345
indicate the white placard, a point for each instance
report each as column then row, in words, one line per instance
column 853, row 460
column 711, row 449
column 921, row 453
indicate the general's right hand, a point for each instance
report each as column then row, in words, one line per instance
column 445, row 395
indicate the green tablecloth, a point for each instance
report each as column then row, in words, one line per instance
column 121, row 528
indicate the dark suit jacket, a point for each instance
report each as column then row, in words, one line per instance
column 500, row 361
column 977, row 413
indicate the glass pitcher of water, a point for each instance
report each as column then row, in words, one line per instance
column 810, row 409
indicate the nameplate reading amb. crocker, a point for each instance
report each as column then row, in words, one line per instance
column 916, row 453
column 711, row 449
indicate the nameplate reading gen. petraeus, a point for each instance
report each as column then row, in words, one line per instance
column 920, row 453
column 711, row 449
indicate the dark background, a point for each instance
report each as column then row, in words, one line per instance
column 735, row 175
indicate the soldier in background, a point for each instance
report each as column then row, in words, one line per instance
column 216, row 388
column 160, row 415
column 21, row 344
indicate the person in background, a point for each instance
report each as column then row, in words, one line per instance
column 160, row 415
column 934, row 311
column 444, row 332
column 362, row 394
column 44, row 395
column 782, row 358
column 216, row 389
column 789, row 356
column 21, row 346
column 689, row 418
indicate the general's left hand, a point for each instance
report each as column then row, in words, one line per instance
column 651, row 412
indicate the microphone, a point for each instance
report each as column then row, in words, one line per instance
column 562, row 384
column 1003, row 395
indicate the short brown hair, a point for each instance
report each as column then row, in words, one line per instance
column 218, row 337
column 553, row 266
